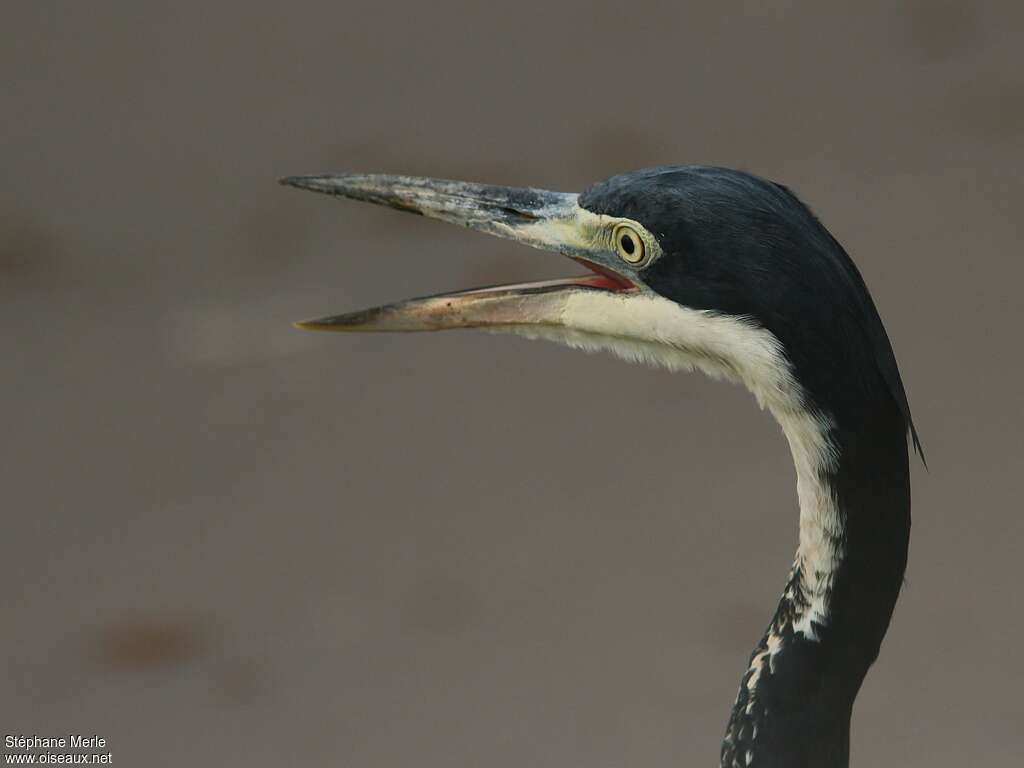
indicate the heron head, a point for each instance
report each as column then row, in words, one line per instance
column 688, row 266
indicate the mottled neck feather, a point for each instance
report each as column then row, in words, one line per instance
column 794, row 704
column 796, row 697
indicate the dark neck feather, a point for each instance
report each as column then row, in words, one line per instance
column 795, row 701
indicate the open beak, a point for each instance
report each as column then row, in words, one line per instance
column 548, row 220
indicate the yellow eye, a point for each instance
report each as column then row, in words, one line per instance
column 628, row 244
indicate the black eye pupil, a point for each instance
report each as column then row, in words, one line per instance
column 627, row 244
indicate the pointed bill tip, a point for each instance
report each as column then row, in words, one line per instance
column 315, row 183
column 370, row 188
column 321, row 324
column 364, row 320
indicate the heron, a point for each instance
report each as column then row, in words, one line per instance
column 719, row 270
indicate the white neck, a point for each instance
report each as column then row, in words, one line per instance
column 650, row 329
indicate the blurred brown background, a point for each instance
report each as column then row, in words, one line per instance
column 228, row 542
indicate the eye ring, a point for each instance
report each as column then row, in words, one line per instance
column 629, row 245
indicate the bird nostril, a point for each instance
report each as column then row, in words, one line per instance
column 515, row 213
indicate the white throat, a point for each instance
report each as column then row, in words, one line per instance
column 642, row 327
